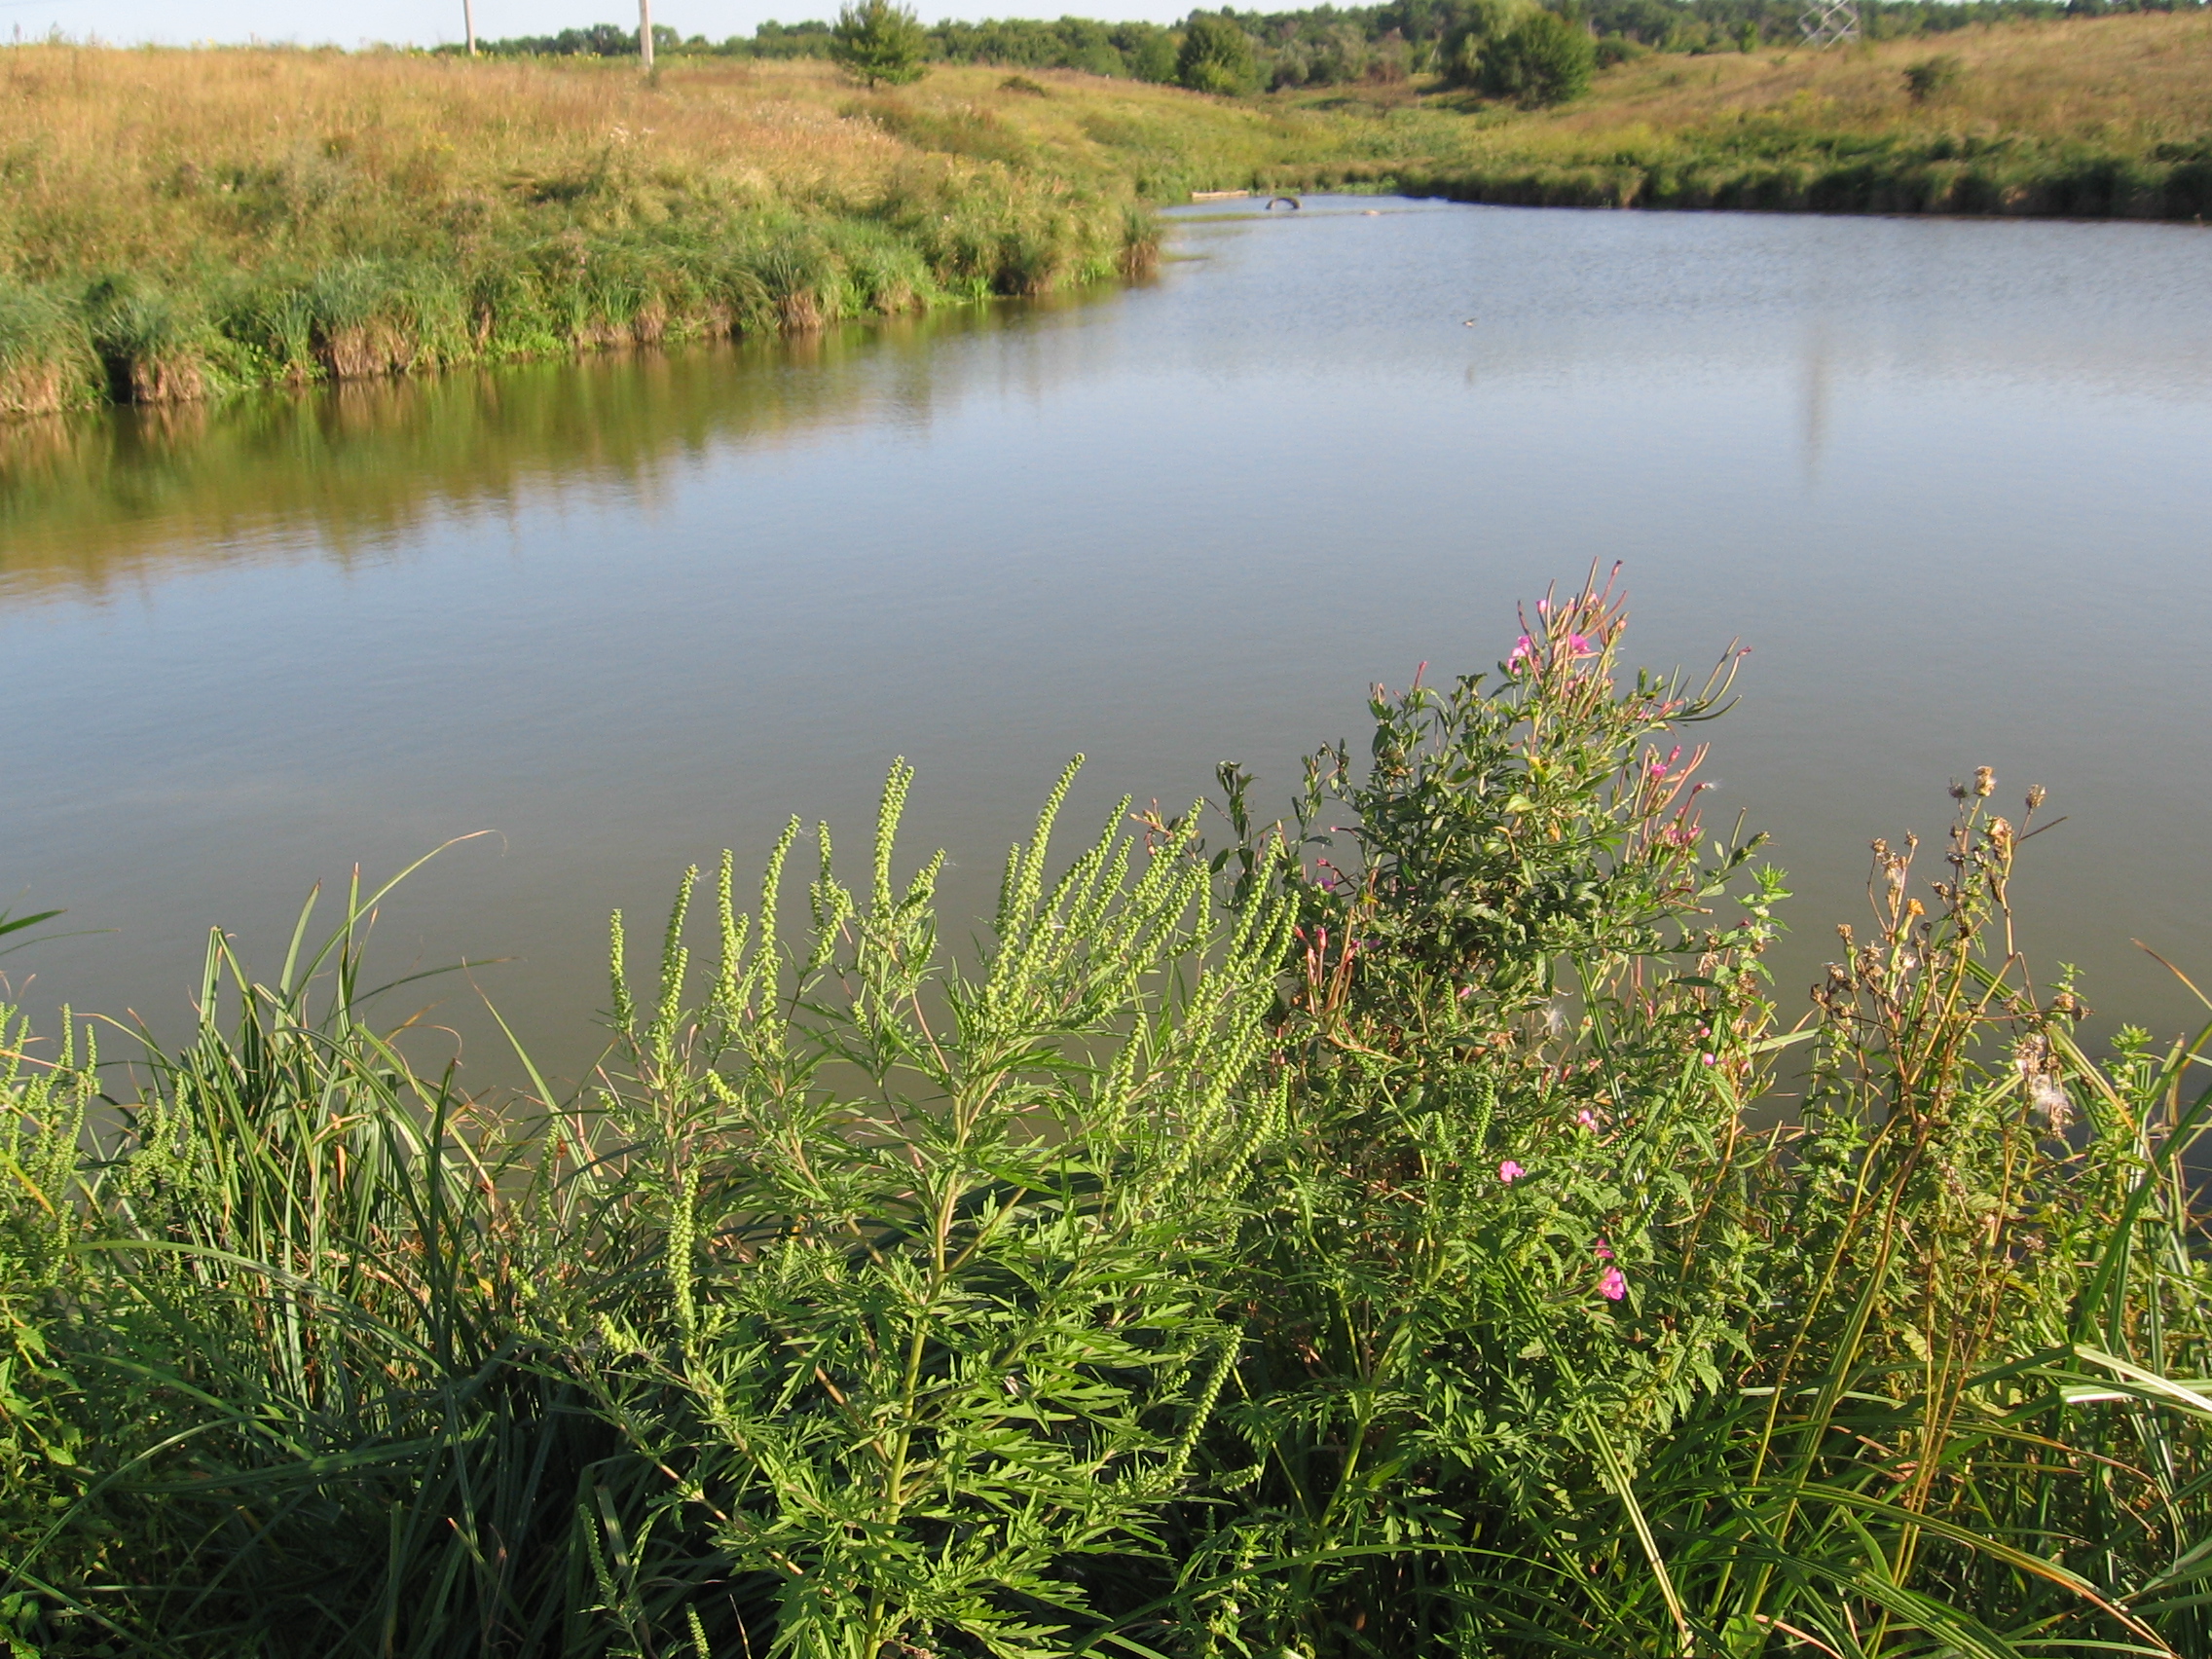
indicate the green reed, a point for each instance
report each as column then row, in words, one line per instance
column 1352, row 1235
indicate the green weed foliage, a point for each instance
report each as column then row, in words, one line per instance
column 1369, row 1232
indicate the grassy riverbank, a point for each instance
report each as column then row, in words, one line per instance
column 2093, row 117
column 1370, row 1244
column 175, row 224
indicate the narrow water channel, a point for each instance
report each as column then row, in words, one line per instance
column 1950, row 480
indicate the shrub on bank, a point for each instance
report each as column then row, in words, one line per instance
column 1216, row 55
column 1541, row 59
column 1274, row 1238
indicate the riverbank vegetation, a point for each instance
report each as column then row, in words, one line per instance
column 2099, row 118
column 176, row 224
column 1416, row 1226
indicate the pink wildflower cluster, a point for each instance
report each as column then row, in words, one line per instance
column 1613, row 1283
column 1509, row 1172
column 1525, row 648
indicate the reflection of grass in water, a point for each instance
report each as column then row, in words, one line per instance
column 89, row 499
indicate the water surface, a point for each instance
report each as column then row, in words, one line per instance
column 1947, row 478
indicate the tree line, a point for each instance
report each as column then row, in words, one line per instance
column 1232, row 51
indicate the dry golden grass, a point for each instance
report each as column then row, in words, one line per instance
column 170, row 160
column 2129, row 83
column 139, row 158
column 2084, row 117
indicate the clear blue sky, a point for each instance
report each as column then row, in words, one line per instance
column 426, row 23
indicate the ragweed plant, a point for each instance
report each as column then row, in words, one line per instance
column 943, row 1261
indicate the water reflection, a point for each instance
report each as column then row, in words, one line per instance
column 1947, row 478
column 357, row 472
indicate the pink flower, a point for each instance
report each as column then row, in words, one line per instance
column 1613, row 1285
column 1524, row 646
column 1587, row 1119
column 1510, row 1173
column 1542, row 606
column 1706, row 1059
column 1602, row 1250
column 1579, row 646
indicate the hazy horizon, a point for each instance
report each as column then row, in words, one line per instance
column 430, row 23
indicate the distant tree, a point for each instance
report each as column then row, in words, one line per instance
column 1541, row 59
column 1460, row 53
column 878, row 42
column 1216, row 57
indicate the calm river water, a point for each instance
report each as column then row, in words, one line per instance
column 1952, row 481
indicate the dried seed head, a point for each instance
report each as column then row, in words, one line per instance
column 2000, row 832
column 2036, row 796
column 1984, row 781
column 2048, row 1098
column 2041, row 1081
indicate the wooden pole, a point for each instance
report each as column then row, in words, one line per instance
column 646, row 33
column 469, row 23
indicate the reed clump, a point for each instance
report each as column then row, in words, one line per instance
column 1347, row 1234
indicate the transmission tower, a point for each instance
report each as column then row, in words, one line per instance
column 1828, row 22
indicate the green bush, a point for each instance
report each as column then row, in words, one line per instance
column 1541, row 59
column 1216, row 57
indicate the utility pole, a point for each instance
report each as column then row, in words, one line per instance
column 469, row 23
column 1830, row 23
column 646, row 34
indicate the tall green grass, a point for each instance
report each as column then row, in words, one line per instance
column 1361, row 1234
column 131, row 338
